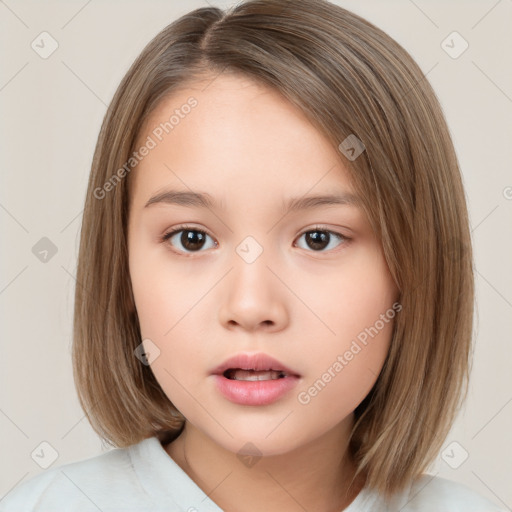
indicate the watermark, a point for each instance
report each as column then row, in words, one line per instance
column 44, row 44
column 44, row 250
column 351, row 147
column 454, row 455
column 44, row 454
column 146, row 352
column 157, row 135
column 454, row 45
column 249, row 249
column 304, row 397
column 249, row 454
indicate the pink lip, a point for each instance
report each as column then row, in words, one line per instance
column 262, row 392
column 258, row 361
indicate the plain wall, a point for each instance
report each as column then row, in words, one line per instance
column 51, row 114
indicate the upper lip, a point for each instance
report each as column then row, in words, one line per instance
column 258, row 361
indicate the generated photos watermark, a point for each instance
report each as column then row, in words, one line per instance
column 342, row 360
column 157, row 135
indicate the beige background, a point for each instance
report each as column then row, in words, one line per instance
column 51, row 113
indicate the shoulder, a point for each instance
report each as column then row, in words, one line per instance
column 435, row 493
column 86, row 485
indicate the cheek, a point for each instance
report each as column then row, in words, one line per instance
column 168, row 304
column 169, row 318
column 163, row 294
column 342, row 376
column 353, row 303
column 347, row 357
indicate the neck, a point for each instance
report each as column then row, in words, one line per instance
column 316, row 476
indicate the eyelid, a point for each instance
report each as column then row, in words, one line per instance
column 319, row 227
column 184, row 227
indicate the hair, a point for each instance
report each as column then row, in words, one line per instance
column 349, row 78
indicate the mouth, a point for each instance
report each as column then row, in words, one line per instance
column 254, row 379
column 253, row 367
column 253, row 375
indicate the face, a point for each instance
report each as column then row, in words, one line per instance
column 243, row 273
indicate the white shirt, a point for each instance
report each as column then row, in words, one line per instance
column 143, row 477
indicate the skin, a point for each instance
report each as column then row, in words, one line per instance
column 251, row 149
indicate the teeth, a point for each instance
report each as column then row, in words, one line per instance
column 253, row 375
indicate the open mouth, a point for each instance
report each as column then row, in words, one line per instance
column 254, row 379
column 253, row 375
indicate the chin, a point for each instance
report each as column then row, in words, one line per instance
column 261, row 442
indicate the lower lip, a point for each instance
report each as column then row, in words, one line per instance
column 256, row 392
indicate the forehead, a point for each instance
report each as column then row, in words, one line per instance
column 239, row 132
column 229, row 99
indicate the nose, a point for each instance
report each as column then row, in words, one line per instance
column 252, row 297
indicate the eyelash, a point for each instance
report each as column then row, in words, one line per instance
column 344, row 240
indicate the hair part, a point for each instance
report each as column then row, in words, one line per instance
column 349, row 78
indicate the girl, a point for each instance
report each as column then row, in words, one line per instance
column 274, row 291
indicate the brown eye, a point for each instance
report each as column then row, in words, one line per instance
column 320, row 239
column 187, row 239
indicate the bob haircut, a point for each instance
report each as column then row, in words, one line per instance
column 349, row 78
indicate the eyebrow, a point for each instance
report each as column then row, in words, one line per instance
column 205, row 200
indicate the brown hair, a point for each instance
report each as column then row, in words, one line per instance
column 349, row 78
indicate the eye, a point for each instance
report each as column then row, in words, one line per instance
column 319, row 239
column 190, row 239
column 193, row 240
